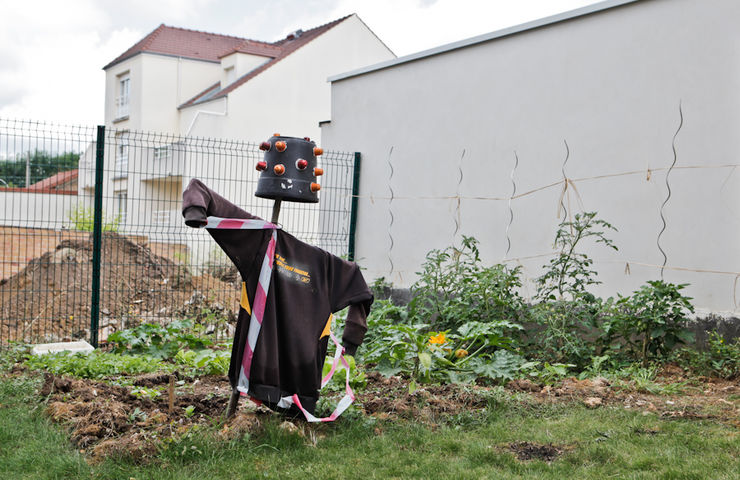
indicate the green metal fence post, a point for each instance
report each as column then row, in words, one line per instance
column 97, row 237
column 353, row 213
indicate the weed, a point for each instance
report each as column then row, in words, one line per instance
column 146, row 392
column 83, row 219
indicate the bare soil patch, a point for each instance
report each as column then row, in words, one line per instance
column 390, row 397
column 106, row 419
column 676, row 395
column 525, row 451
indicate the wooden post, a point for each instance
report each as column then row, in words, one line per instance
column 235, row 395
column 171, row 391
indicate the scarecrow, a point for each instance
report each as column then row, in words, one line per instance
column 289, row 291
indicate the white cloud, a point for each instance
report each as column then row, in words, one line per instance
column 52, row 52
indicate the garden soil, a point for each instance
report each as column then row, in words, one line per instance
column 108, row 420
column 49, row 300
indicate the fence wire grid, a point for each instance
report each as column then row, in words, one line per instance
column 152, row 268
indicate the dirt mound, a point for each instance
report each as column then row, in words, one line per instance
column 49, row 300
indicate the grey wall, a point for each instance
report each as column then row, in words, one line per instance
column 608, row 83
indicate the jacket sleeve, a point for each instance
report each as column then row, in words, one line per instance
column 243, row 247
column 347, row 287
column 199, row 202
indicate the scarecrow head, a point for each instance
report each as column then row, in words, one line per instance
column 289, row 170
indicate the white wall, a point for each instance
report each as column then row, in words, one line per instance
column 159, row 84
column 610, row 84
column 36, row 210
column 242, row 63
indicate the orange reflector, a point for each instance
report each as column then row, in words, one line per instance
column 317, row 172
column 280, row 146
column 275, row 134
column 318, row 151
column 315, row 187
column 261, row 166
column 279, row 169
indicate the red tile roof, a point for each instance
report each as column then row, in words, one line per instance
column 256, row 48
column 277, row 51
column 182, row 42
column 56, row 182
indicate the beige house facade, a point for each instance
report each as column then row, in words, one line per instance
column 177, row 87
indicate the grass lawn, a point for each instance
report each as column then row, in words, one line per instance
column 607, row 442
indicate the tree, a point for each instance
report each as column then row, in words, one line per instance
column 41, row 165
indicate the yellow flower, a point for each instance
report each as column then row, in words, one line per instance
column 461, row 352
column 438, row 339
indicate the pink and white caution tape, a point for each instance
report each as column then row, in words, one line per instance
column 255, row 322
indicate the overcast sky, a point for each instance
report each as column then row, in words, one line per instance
column 52, row 51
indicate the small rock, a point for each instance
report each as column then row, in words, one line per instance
column 593, row 402
column 288, row 427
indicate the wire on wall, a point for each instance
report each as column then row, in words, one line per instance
column 390, row 210
column 668, row 186
column 511, row 211
column 457, row 194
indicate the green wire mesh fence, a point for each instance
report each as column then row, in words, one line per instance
column 59, row 281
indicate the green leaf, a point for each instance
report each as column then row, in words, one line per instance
column 387, row 369
column 412, row 386
column 425, row 359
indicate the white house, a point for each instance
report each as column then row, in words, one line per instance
column 504, row 135
column 191, row 86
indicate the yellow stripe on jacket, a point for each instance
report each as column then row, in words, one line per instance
column 327, row 328
column 244, row 303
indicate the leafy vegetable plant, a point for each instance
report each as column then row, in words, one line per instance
column 159, row 341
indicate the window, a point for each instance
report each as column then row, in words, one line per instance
column 121, row 169
column 162, row 153
column 122, row 101
column 121, row 198
column 161, row 217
